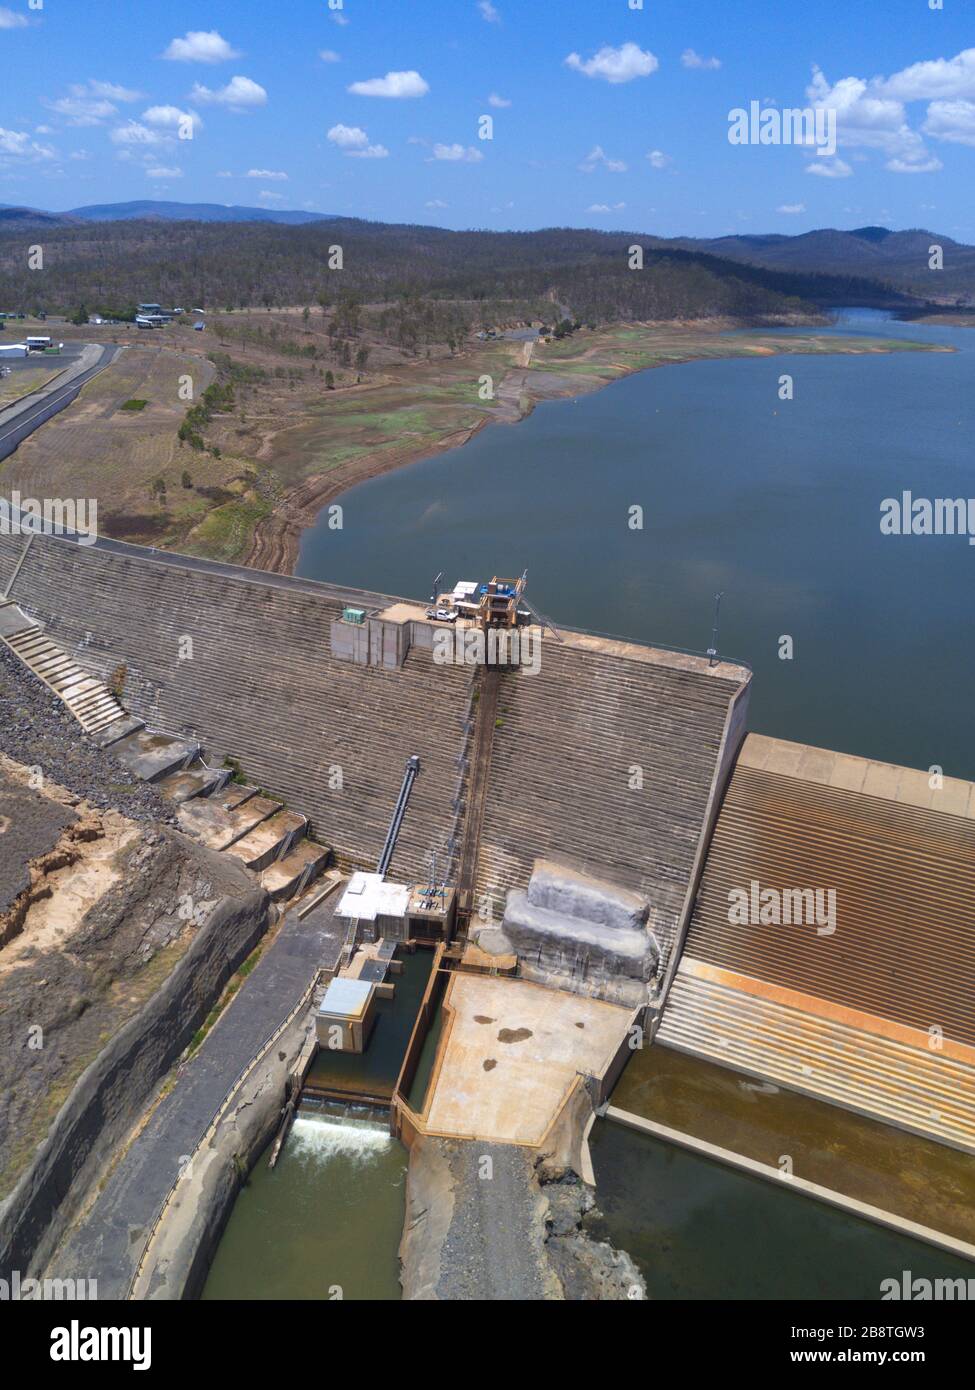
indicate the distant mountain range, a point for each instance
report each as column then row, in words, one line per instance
column 893, row 260
column 149, row 209
column 876, row 253
column 111, row 256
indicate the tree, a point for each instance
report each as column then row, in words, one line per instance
column 329, row 381
column 80, row 316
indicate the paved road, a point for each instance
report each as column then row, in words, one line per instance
column 14, row 431
column 109, row 1244
column 266, row 578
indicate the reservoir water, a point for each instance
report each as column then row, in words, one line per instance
column 701, row 1230
column 775, row 503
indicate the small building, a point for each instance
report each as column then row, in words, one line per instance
column 398, row 912
column 464, row 598
column 346, row 1015
column 378, row 906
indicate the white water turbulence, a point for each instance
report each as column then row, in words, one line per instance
column 317, row 1139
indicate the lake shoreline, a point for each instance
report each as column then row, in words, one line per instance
column 276, row 542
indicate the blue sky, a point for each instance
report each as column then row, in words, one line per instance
column 604, row 115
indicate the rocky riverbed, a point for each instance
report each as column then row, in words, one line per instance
column 490, row 1222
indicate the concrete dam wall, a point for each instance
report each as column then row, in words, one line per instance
column 610, row 756
column 327, row 737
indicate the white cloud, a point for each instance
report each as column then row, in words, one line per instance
column 690, row 59
column 435, row 203
column 90, row 103
column 791, row 209
column 9, row 19
column 605, row 207
column 348, row 137
column 329, row 55
column 488, row 13
column 928, row 164
column 17, row 144
column 394, row 84
column 597, row 158
column 834, row 168
column 224, row 174
column 455, row 154
column 161, row 172
column 240, row 94
column 943, row 78
column 616, row 65
column 268, row 197
column 265, row 174
column 495, row 100
column 659, row 160
column 355, row 142
column 82, row 110
column 134, row 133
column 113, row 91
column 172, row 118
column 199, row 46
column 951, row 120
column 872, row 114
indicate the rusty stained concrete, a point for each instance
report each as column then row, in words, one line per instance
column 511, row 1053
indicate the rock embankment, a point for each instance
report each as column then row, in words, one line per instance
column 37, row 731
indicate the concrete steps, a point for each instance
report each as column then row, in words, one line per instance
column 216, row 828
column 270, row 840
column 151, row 757
column 114, row 733
column 235, row 794
column 89, row 700
column 193, row 782
column 293, row 873
column 223, row 815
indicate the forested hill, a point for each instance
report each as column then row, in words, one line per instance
column 900, row 258
column 109, row 266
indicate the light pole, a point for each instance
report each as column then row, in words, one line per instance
column 713, row 649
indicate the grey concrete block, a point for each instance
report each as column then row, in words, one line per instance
column 558, row 888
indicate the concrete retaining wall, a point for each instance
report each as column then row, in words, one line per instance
column 184, row 1246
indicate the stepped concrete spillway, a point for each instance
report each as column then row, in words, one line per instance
column 871, row 1006
column 611, row 756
